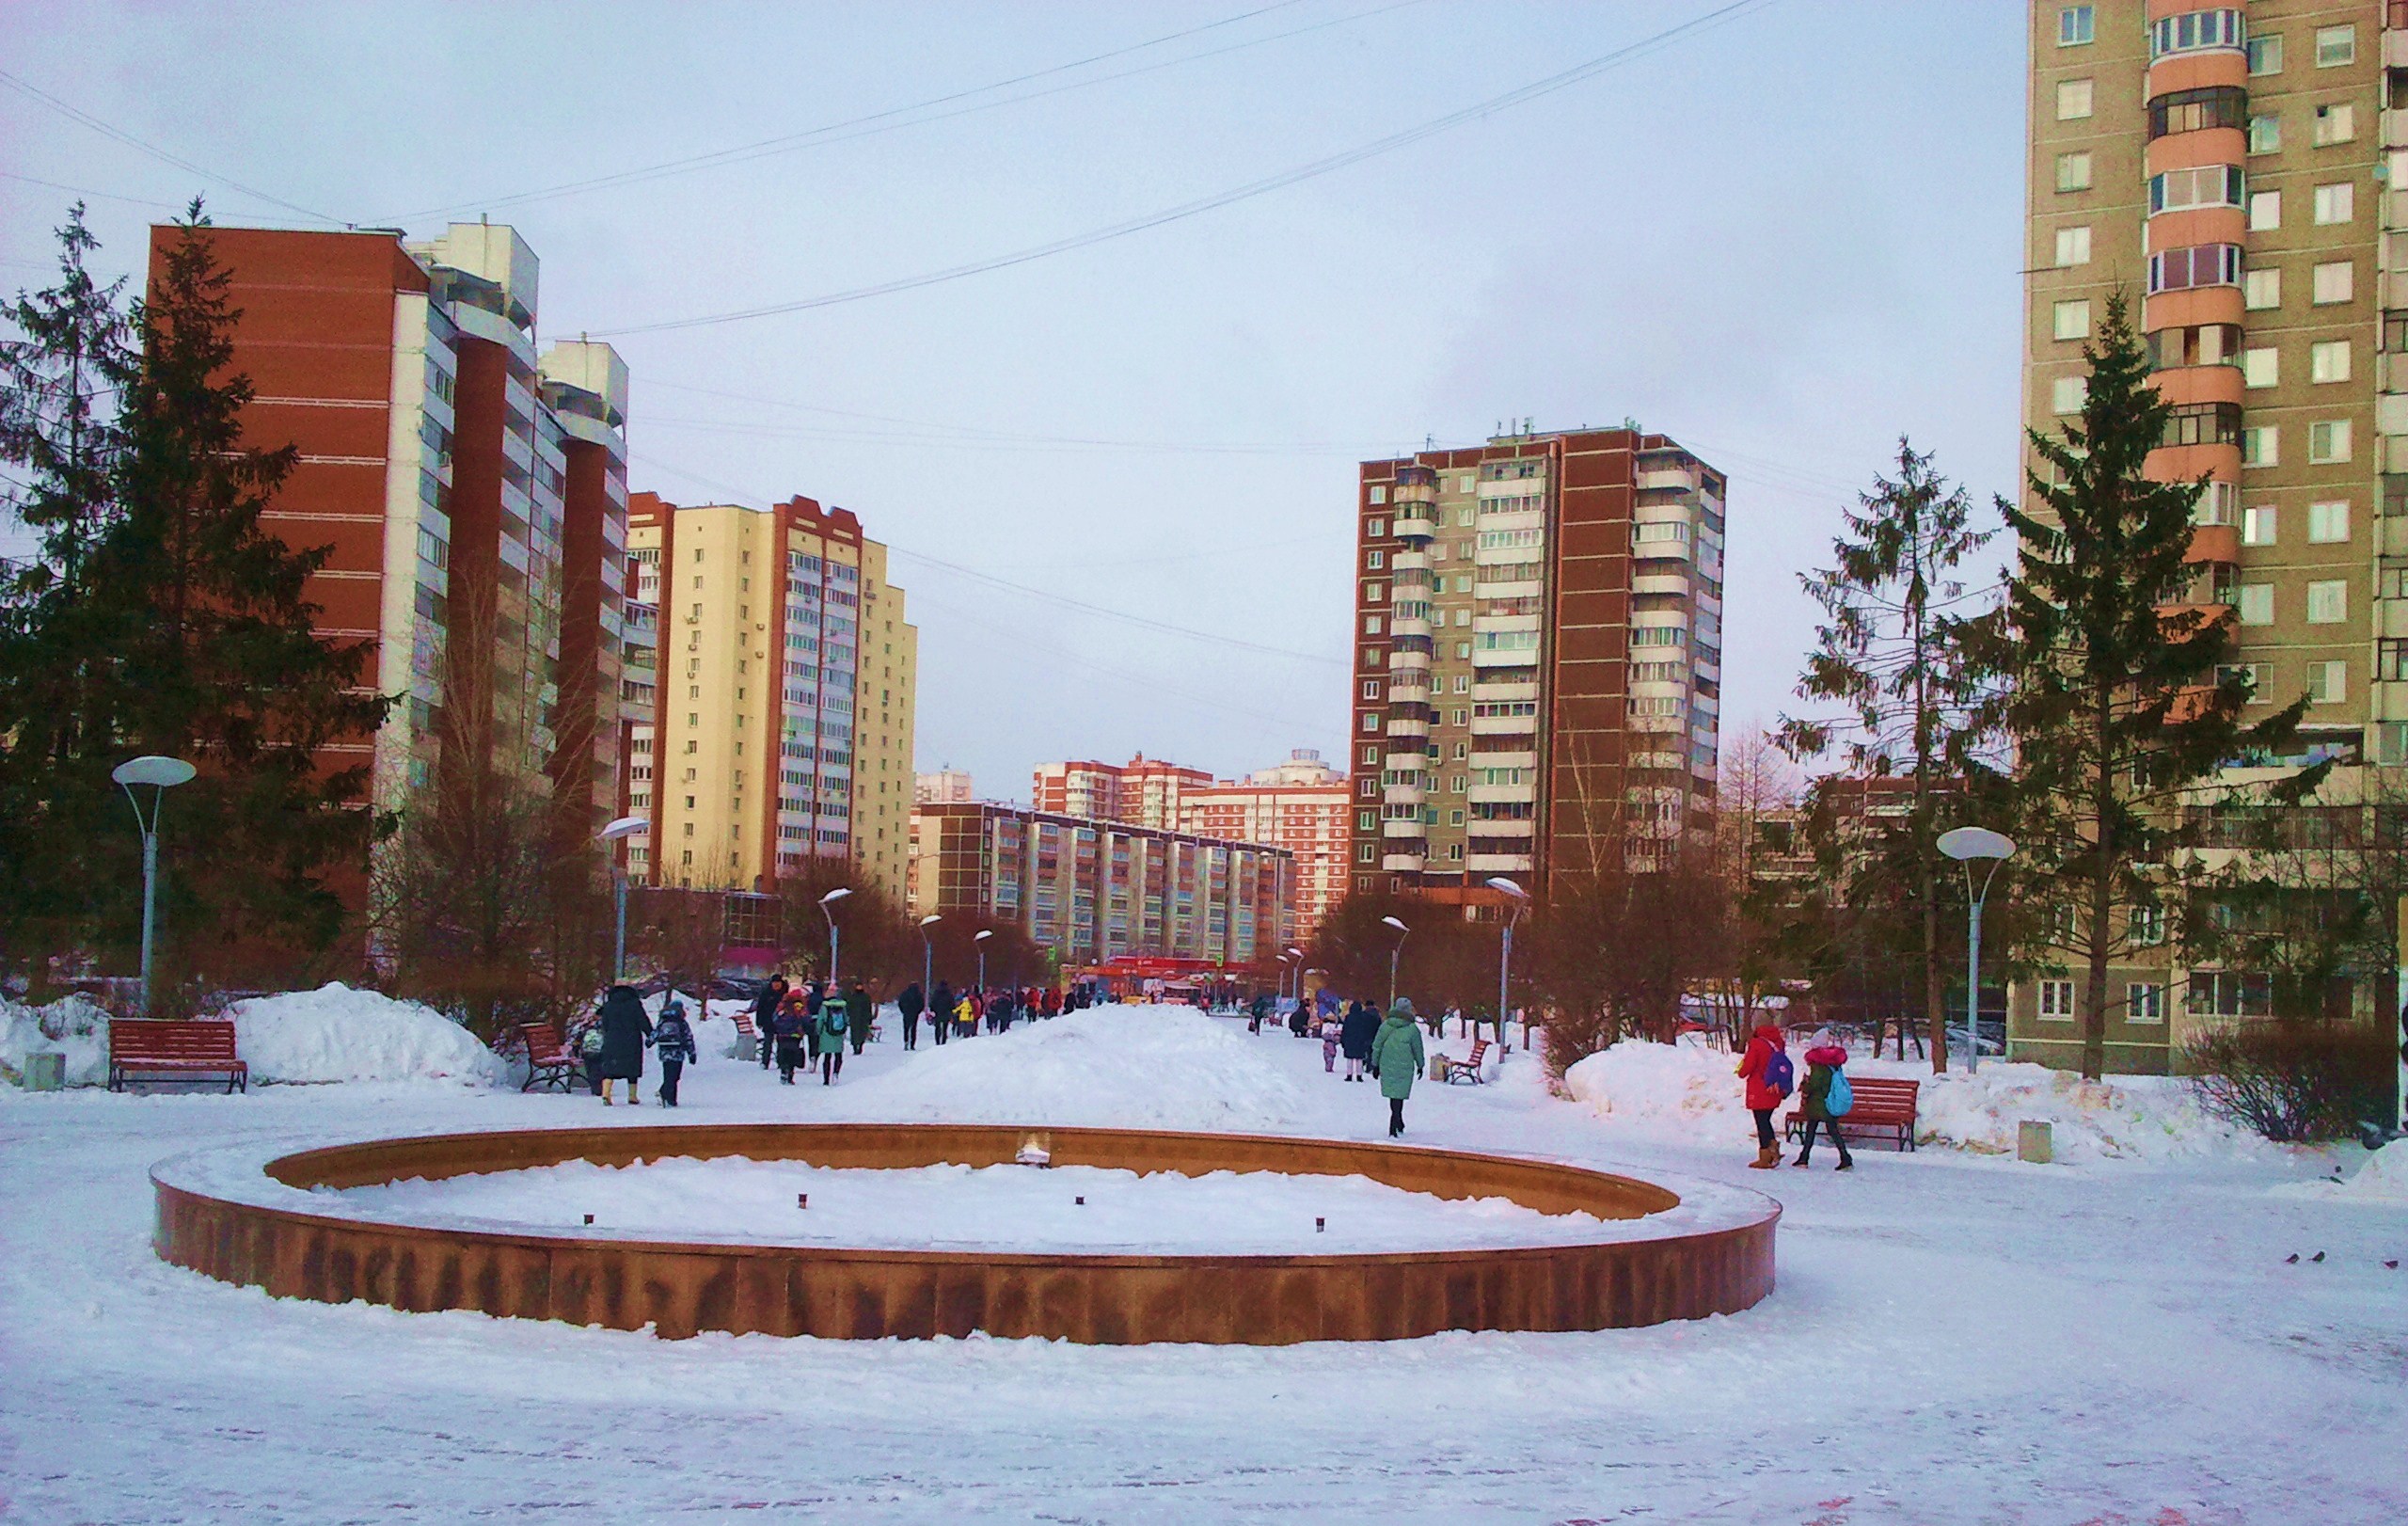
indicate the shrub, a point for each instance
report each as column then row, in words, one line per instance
column 2293, row 1081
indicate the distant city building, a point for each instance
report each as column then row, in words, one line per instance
column 1538, row 657
column 1143, row 791
column 783, row 703
column 1300, row 806
column 946, row 786
column 1093, row 890
column 470, row 490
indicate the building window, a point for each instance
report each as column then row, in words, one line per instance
column 2074, row 100
column 1376, row 527
column 2258, row 525
column 2335, row 203
column 2056, row 1001
column 1364, row 853
column 2076, row 25
column 2262, row 291
column 1370, row 689
column 2191, row 111
column 1371, row 756
column 2336, row 46
column 2391, row 659
column 2328, row 361
column 2071, row 320
column 2260, row 446
column 2266, row 55
column 1375, row 560
column 2194, row 29
column 2145, row 1002
column 1370, row 625
column 1379, row 495
column 2328, row 441
column 2328, row 682
column 2328, row 602
column 2335, row 122
column 2254, row 603
column 2203, row 423
column 2179, row 190
column 2067, row 394
column 2266, row 135
column 2265, row 211
column 2215, row 505
column 2328, row 524
column 2073, row 172
column 1367, row 821
column 2261, row 366
column 1371, row 722
column 2073, row 248
column 2333, row 282
column 2176, row 270
column 2145, row 925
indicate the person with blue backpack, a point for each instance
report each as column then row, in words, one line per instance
column 1826, row 1099
column 1769, row 1075
column 834, row 1020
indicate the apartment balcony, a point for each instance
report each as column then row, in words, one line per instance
column 1503, row 693
column 1403, row 828
column 1409, row 559
column 2214, row 543
column 1521, row 656
column 1415, row 521
column 1653, row 478
column 1406, row 726
column 1402, row 863
column 1671, row 725
column 1503, row 725
column 1521, row 794
column 1498, row 863
column 1650, row 578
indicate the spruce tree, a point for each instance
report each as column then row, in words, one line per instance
column 211, row 637
column 1893, row 653
column 2119, row 720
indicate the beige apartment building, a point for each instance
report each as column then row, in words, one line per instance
column 782, row 700
column 2227, row 169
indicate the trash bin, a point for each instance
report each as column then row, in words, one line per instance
column 2035, row 1141
column 46, row 1073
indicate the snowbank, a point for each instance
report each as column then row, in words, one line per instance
column 73, row 1025
column 1689, row 1090
column 2383, row 1181
column 717, row 1038
column 336, row 1033
column 1107, row 1067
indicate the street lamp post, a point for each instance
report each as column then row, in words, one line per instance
column 826, row 902
column 927, row 957
column 1966, row 844
column 162, row 775
column 980, row 943
column 1296, row 969
column 1516, row 900
column 1396, row 953
column 624, row 827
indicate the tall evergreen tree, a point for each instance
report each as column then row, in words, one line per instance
column 211, row 638
column 2119, row 720
column 1892, row 652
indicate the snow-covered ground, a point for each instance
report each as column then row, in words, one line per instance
column 1956, row 1336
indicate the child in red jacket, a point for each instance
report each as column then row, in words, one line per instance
column 1767, row 1069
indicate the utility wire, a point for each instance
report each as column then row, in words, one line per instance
column 1372, row 149
column 78, row 190
column 86, row 118
column 878, row 122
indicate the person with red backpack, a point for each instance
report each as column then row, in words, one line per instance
column 1769, row 1075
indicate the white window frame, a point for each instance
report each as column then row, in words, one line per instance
column 2056, row 1001
column 2076, row 100
column 2328, row 681
column 2261, row 445
column 2261, row 366
column 2254, row 604
column 2335, row 281
column 2073, row 246
column 2264, row 133
column 2328, row 522
column 2328, row 361
column 2261, row 289
column 2333, row 122
column 2265, row 211
column 2336, row 47
column 2261, row 525
column 2073, row 171
column 2071, row 320
column 2338, row 443
column 2328, row 601
column 2336, row 204
column 2077, row 26
column 2143, row 1002
column 2067, row 394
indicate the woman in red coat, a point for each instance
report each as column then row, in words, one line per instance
column 1768, row 1085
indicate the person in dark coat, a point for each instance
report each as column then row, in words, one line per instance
column 999, row 1011
column 909, row 1005
column 624, row 1028
column 1354, row 1037
column 791, row 1025
column 673, row 1037
column 859, row 1010
column 764, row 1011
column 940, row 1010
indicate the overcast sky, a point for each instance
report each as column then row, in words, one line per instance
column 1784, row 239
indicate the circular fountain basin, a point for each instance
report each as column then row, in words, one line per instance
column 440, row 1222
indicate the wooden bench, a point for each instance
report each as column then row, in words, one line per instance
column 1882, row 1107
column 549, row 1060
column 165, row 1050
column 1467, row 1070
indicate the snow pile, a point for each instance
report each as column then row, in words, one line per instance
column 73, row 1025
column 1107, row 1067
column 336, row 1033
column 2381, row 1181
column 1691, row 1090
column 717, row 1038
column 990, row 1208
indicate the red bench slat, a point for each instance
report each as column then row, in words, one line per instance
column 1879, row 1102
column 149, row 1046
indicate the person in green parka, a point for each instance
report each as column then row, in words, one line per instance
column 830, row 1024
column 1397, row 1058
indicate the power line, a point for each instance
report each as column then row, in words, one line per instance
column 86, row 118
column 878, row 122
column 1372, row 149
column 78, row 190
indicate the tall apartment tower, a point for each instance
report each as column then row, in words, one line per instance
column 1144, row 791
column 781, row 697
column 1538, row 657
column 1302, row 807
column 2225, row 169
column 472, row 491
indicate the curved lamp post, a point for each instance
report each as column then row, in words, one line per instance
column 619, row 830
column 162, row 775
column 1967, row 845
column 979, row 943
column 1395, row 953
column 1296, row 969
column 927, row 957
column 1516, row 902
column 826, row 903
